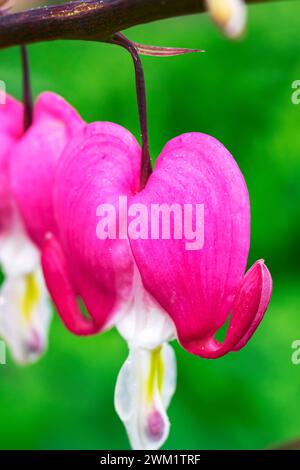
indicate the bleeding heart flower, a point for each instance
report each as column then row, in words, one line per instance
column 24, row 306
column 152, row 287
column 194, row 290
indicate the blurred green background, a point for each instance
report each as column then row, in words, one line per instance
column 239, row 92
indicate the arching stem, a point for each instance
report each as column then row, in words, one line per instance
column 91, row 20
column 27, row 95
column 146, row 167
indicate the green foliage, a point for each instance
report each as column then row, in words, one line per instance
column 240, row 93
column 1, row 276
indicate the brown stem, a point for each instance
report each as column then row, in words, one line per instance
column 146, row 167
column 94, row 20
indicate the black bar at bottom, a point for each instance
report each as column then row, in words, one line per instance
column 132, row 459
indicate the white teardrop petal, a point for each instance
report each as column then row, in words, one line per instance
column 145, row 386
column 25, row 314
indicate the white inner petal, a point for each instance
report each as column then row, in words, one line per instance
column 145, row 386
column 25, row 310
column 144, row 323
column 18, row 255
column 25, row 314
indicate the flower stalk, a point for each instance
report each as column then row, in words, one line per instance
column 135, row 50
column 27, row 94
column 146, row 167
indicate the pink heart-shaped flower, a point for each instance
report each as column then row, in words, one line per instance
column 198, row 288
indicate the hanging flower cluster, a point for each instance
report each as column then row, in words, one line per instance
column 63, row 186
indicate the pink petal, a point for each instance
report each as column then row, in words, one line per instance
column 100, row 163
column 11, row 118
column 34, row 162
column 261, row 280
column 11, row 123
column 250, row 306
column 197, row 288
column 62, row 291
